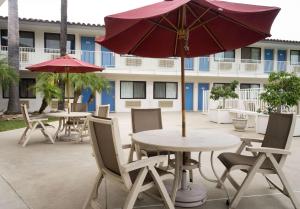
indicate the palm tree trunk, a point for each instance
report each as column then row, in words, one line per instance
column 13, row 55
column 43, row 106
column 63, row 46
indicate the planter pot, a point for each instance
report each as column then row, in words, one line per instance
column 239, row 124
column 262, row 122
column 219, row 116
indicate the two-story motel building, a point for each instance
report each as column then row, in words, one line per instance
column 145, row 82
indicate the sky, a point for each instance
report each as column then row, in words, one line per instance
column 286, row 25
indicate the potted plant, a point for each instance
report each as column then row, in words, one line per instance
column 240, row 122
column 281, row 94
column 221, row 114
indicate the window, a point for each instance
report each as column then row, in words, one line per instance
column 52, row 41
column 26, row 88
column 133, row 89
column 220, row 84
column 165, row 90
column 5, row 93
column 26, row 39
column 249, row 86
column 251, row 54
column 188, row 63
column 295, row 57
column 228, row 56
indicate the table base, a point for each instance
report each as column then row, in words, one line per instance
column 194, row 195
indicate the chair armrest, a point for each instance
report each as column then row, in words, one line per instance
column 268, row 150
column 143, row 163
column 126, row 146
column 38, row 119
column 249, row 140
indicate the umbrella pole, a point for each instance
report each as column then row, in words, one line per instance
column 68, row 92
column 182, row 97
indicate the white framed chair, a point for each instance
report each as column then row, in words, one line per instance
column 103, row 111
column 136, row 177
column 267, row 159
column 33, row 124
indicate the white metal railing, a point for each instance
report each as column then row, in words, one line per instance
column 125, row 63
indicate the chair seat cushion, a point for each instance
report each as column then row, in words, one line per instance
column 233, row 159
column 133, row 175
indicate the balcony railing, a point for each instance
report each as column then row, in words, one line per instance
column 115, row 63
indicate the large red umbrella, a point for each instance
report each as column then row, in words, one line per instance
column 64, row 64
column 186, row 28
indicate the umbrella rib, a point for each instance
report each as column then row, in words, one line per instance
column 213, row 37
column 178, row 23
column 198, row 19
column 230, row 19
column 203, row 23
column 170, row 23
column 144, row 37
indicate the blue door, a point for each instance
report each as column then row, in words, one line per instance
column 188, row 63
column 108, row 97
column 86, row 95
column 201, row 88
column 203, row 63
column 107, row 57
column 189, row 87
column 88, row 55
column 88, row 49
column 269, row 60
column 281, row 58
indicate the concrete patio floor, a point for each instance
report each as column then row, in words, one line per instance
column 60, row 176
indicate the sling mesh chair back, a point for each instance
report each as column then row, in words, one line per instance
column 33, row 124
column 103, row 111
column 78, row 107
column 136, row 176
column 267, row 159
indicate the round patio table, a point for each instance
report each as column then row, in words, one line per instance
column 62, row 118
column 188, row 195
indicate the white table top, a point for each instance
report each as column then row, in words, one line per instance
column 66, row 114
column 195, row 141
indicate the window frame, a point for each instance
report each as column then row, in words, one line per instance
column 225, row 59
column 145, row 89
column 251, row 60
column 21, row 31
column 295, row 50
column 165, row 82
column 71, row 51
column 249, row 85
column 26, row 97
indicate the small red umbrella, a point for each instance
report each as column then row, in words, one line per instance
column 65, row 64
column 186, row 28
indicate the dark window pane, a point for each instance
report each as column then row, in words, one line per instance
column 246, row 53
column 159, row 90
column 26, row 90
column 52, row 41
column 26, row 39
column 139, row 90
column 5, row 92
column 295, row 57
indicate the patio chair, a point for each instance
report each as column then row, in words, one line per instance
column 144, row 120
column 103, row 111
column 267, row 159
column 33, row 124
column 73, row 124
column 136, row 177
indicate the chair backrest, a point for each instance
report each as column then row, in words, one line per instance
column 146, row 119
column 106, row 144
column 25, row 115
column 103, row 111
column 78, row 107
column 279, row 133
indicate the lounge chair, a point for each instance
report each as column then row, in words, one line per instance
column 136, row 177
column 267, row 159
column 33, row 124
